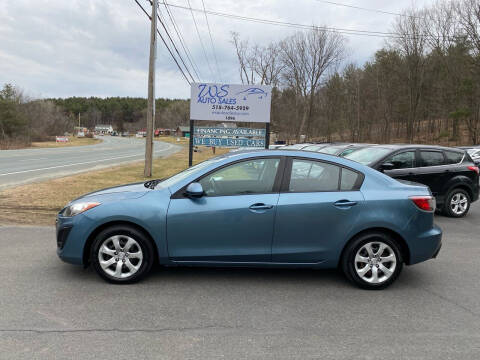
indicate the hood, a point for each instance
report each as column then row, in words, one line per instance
column 121, row 192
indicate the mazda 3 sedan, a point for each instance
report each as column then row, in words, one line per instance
column 269, row 208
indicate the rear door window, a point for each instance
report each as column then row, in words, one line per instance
column 431, row 158
column 453, row 157
column 313, row 176
column 403, row 160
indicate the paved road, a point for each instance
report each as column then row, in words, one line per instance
column 49, row 309
column 27, row 165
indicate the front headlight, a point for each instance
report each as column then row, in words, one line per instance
column 78, row 208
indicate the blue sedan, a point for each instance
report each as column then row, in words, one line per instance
column 270, row 208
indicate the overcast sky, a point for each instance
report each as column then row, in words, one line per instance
column 58, row 48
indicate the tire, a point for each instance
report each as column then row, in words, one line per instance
column 128, row 251
column 359, row 246
column 457, row 210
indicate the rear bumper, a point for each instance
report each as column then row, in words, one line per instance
column 426, row 246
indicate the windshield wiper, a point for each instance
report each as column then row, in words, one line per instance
column 150, row 184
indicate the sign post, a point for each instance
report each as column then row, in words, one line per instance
column 229, row 103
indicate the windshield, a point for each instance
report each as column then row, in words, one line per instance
column 474, row 152
column 368, row 155
column 314, row 147
column 332, row 149
column 187, row 172
column 296, row 146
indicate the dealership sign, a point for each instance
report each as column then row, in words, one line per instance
column 226, row 102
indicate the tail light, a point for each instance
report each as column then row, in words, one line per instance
column 426, row 203
column 473, row 168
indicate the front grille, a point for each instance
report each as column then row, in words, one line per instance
column 62, row 235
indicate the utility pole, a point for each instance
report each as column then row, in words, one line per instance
column 151, row 92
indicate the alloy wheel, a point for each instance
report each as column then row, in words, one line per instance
column 120, row 256
column 375, row 262
column 459, row 203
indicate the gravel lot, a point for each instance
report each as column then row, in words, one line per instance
column 54, row 310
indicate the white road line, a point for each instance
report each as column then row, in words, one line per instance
column 80, row 163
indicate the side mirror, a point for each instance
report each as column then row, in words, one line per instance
column 387, row 166
column 194, row 190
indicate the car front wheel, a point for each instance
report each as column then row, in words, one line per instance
column 372, row 261
column 122, row 254
column 457, row 204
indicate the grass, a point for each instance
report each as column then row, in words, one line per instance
column 72, row 141
column 172, row 139
column 38, row 203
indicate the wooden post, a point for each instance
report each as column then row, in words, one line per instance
column 190, row 145
column 151, row 92
column 267, row 135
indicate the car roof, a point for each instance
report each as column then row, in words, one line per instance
column 415, row 146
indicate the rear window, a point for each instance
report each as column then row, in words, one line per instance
column 431, row 158
column 453, row 157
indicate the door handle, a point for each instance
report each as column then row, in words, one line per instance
column 344, row 203
column 260, row 206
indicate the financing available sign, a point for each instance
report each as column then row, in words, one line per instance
column 226, row 102
column 222, row 131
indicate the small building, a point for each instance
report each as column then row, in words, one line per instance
column 162, row 132
column 103, row 129
column 183, row 131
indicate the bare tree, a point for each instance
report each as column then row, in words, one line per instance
column 244, row 60
column 468, row 13
column 306, row 57
column 411, row 43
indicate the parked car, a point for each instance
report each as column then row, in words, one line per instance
column 270, row 208
column 342, row 149
column 276, row 146
column 315, row 147
column 474, row 152
column 450, row 173
column 296, row 146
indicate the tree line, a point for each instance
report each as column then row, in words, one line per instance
column 422, row 86
column 23, row 120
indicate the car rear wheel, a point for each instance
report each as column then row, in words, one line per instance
column 122, row 254
column 372, row 261
column 457, row 204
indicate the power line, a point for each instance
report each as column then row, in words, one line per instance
column 199, row 37
column 302, row 26
column 290, row 24
column 165, row 43
column 182, row 41
column 211, row 39
column 364, row 9
column 175, row 47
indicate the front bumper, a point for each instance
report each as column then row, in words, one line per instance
column 72, row 233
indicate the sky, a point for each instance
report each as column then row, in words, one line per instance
column 58, row 48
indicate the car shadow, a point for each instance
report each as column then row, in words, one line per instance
column 411, row 277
